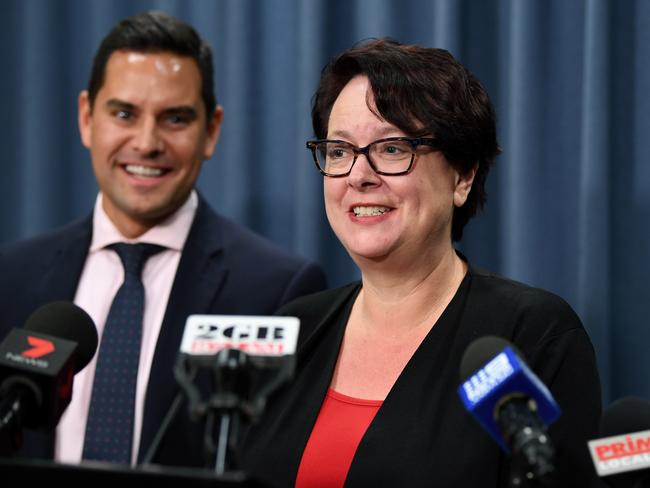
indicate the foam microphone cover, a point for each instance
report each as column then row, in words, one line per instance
column 624, row 416
column 66, row 320
column 480, row 352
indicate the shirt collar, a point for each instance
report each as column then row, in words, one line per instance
column 171, row 233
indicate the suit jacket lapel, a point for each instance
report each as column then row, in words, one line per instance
column 62, row 270
column 60, row 274
column 199, row 278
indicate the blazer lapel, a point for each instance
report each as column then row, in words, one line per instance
column 62, row 270
column 60, row 275
column 199, row 278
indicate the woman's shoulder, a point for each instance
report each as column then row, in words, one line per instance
column 542, row 324
column 531, row 317
column 321, row 308
column 507, row 294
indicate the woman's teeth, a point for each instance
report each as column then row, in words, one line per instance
column 369, row 211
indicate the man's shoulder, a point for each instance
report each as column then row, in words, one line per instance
column 33, row 248
column 251, row 260
column 240, row 243
column 41, row 269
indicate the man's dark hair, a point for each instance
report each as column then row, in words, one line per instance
column 422, row 91
column 154, row 32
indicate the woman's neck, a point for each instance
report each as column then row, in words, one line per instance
column 389, row 320
column 411, row 297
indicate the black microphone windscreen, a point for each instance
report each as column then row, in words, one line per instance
column 66, row 320
column 625, row 416
column 479, row 352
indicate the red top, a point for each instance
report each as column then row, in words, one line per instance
column 341, row 423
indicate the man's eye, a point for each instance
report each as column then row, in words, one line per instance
column 123, row 114
column 177, row 119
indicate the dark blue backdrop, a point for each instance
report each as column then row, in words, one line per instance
column 568, row 203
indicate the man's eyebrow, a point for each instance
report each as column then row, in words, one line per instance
column 184, row 110
column 117, row 103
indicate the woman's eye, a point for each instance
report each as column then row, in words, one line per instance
column 337, row 153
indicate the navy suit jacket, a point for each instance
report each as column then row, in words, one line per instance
column 224, row 269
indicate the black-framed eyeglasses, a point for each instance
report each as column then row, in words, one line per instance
column 392, row 156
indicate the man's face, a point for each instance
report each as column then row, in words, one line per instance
column 147, row 135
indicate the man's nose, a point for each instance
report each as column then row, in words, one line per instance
column 147, row 140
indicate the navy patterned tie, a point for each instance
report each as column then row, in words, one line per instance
column 109, row 431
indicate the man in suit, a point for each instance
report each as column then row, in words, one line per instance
column 149, row 119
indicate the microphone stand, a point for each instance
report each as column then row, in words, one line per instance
column 231, row 381
column 18, row 397
column 162, row 430
column 532, row 451
column 240, row 385
column 10, row 421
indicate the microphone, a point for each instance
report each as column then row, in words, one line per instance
column 622, row 454
column 246, row 358
column 512, row 404
column 37, row 365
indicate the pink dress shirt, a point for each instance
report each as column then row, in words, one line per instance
column 100, row 279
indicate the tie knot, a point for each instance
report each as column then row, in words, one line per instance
column 134, row 256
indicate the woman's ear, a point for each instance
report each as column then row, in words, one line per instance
column 464, row 185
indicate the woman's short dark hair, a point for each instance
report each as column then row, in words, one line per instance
column 422, row 91
column 153, row 32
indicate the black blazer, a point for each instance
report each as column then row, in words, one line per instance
column 421, row 435
column 224, row 268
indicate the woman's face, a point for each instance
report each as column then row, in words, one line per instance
column 378, row 216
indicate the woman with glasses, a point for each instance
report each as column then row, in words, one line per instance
column 406, row 136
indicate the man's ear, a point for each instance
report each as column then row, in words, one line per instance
column 84, row 118
column 214, row 129
column 464, row 185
